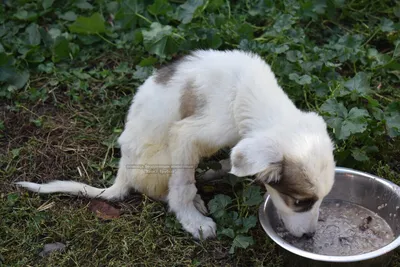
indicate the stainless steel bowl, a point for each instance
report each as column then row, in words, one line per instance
column 356, row 187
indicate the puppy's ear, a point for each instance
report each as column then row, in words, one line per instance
column 257, row 155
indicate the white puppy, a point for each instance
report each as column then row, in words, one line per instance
column 201, row 103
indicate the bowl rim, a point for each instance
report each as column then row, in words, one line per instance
column 326, row 258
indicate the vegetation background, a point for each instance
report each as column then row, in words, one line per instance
column 68, row 70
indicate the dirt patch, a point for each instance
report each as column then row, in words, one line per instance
column 58, row 146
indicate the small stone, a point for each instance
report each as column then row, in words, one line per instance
column 211, row 175
column 49, row 248
column 225, row 165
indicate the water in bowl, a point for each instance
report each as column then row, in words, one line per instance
column 344, row 229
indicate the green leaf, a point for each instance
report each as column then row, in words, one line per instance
column 218, row 204
column 54, row 33
column 149, row 61
column 345, row 123
column 232, row 179
column 248, row 223
column 393, row 125
column 94, row 24
column 302, row 80
column 15, row 152
column 355, row 122
column 252, row 195
column 380, row 59
column 387, row 25
column 186, row 11
column 25, row 15
column 84, row 5
column 60, row 49
column 34, row 55
column 293, row 55
column 214, row 40
column 283, row 23
column 228, row 232
column 69, row 16
column 142, row 73
column 12, row 199
column 6, row 60
column 47, row 68
column 359, row 155
column 392, row 118
column 126, row 17
column 332, row 107
column 33, row 34
column 319, row 6
column 123, row 67
column 46, row 4
column 359, row 83
column 260, row 7
column 281, row 49
column 241, row 241
column 13, row 77
column 396, row 52
column 112, row 7
column 159, row 7
column 158, row 40
column 377, row 113
column 215, row 4
column 371, row 101
column 396, row 11
column 38, row 122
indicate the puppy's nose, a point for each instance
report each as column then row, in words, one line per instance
column 309, row 235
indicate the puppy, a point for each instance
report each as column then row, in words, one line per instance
column 193, row 107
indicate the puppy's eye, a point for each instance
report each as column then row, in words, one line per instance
column 303, row 203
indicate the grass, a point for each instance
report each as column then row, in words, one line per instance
column 67, row 75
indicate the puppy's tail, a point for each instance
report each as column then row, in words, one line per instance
column 116, row 191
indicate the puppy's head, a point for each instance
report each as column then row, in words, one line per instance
column 296, row 165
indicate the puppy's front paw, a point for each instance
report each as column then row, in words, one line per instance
column 200, row 226
column 205, row 229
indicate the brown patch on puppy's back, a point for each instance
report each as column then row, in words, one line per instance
column 165, row 73
column 191, row 102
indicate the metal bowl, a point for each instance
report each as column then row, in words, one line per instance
column 357, row 187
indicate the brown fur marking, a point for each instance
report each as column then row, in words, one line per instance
column 295, row 184
column 191, row 104
column 165, row 73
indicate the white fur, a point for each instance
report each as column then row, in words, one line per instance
column 245, row 107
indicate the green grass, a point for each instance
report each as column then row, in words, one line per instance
column 68, row 71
